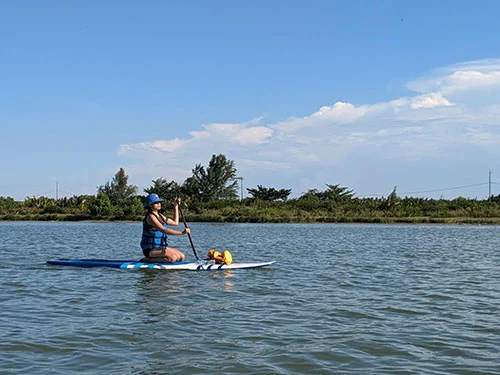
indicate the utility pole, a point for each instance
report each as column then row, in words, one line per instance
column 489, row 187
column 241, row 186
column 57, row 190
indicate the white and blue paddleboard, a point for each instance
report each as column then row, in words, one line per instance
column 204, row 265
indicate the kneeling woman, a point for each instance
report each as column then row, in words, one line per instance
column 155, row 230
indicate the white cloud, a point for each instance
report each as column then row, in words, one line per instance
column 237, row 133
column 431, row 100
column 457, row 78
column 265, row 164
column 452, row 113
column 230, row 135
column 243, row 134
column 341, row 113
column 338, row 113
column 154, row 146
column 482, row 138
column 401, row 131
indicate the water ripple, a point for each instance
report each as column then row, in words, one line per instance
column 342, row 299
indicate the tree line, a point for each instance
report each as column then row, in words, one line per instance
column 211, row 194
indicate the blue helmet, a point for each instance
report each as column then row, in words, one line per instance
column 152, row 198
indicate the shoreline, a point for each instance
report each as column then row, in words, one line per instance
column 267, row 220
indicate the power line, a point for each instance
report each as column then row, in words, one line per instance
column 445, row 189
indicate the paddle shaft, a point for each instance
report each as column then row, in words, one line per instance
column 189, row 234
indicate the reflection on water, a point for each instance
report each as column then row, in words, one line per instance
column 226, row 275
column 164, row 293
column 154, row 290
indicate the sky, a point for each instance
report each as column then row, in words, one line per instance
column 299, row 94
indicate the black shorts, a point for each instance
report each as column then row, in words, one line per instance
column 146, row 253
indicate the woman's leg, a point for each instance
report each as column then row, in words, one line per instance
column 171, row 254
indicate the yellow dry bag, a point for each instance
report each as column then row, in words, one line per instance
column 225, row 257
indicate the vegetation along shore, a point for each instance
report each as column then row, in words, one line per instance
column 211, row 195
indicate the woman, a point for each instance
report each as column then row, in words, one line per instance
column 155, row 229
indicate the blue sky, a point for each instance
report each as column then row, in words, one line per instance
column 365, row 94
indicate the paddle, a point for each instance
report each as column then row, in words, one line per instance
column 189, row 234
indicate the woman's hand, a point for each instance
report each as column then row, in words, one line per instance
column 178, row 201
column 186, row 231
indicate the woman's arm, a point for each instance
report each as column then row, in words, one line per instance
column 175, row 220
column 153, row 220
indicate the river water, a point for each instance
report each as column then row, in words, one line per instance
column 341, row 299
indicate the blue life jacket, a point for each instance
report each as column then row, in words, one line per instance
column 152, row 238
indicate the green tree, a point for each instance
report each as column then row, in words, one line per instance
column 334, row 193
column 212, row 183
column 100, row 206
column 166, row 190
column 391, row 201
column 339, row 193
column 39, row 203
column 7, row 203
column 134, row 208
column 80, row 202
column 118, row 190
column 269, row 194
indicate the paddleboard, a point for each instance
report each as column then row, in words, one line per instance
column 204, row 265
